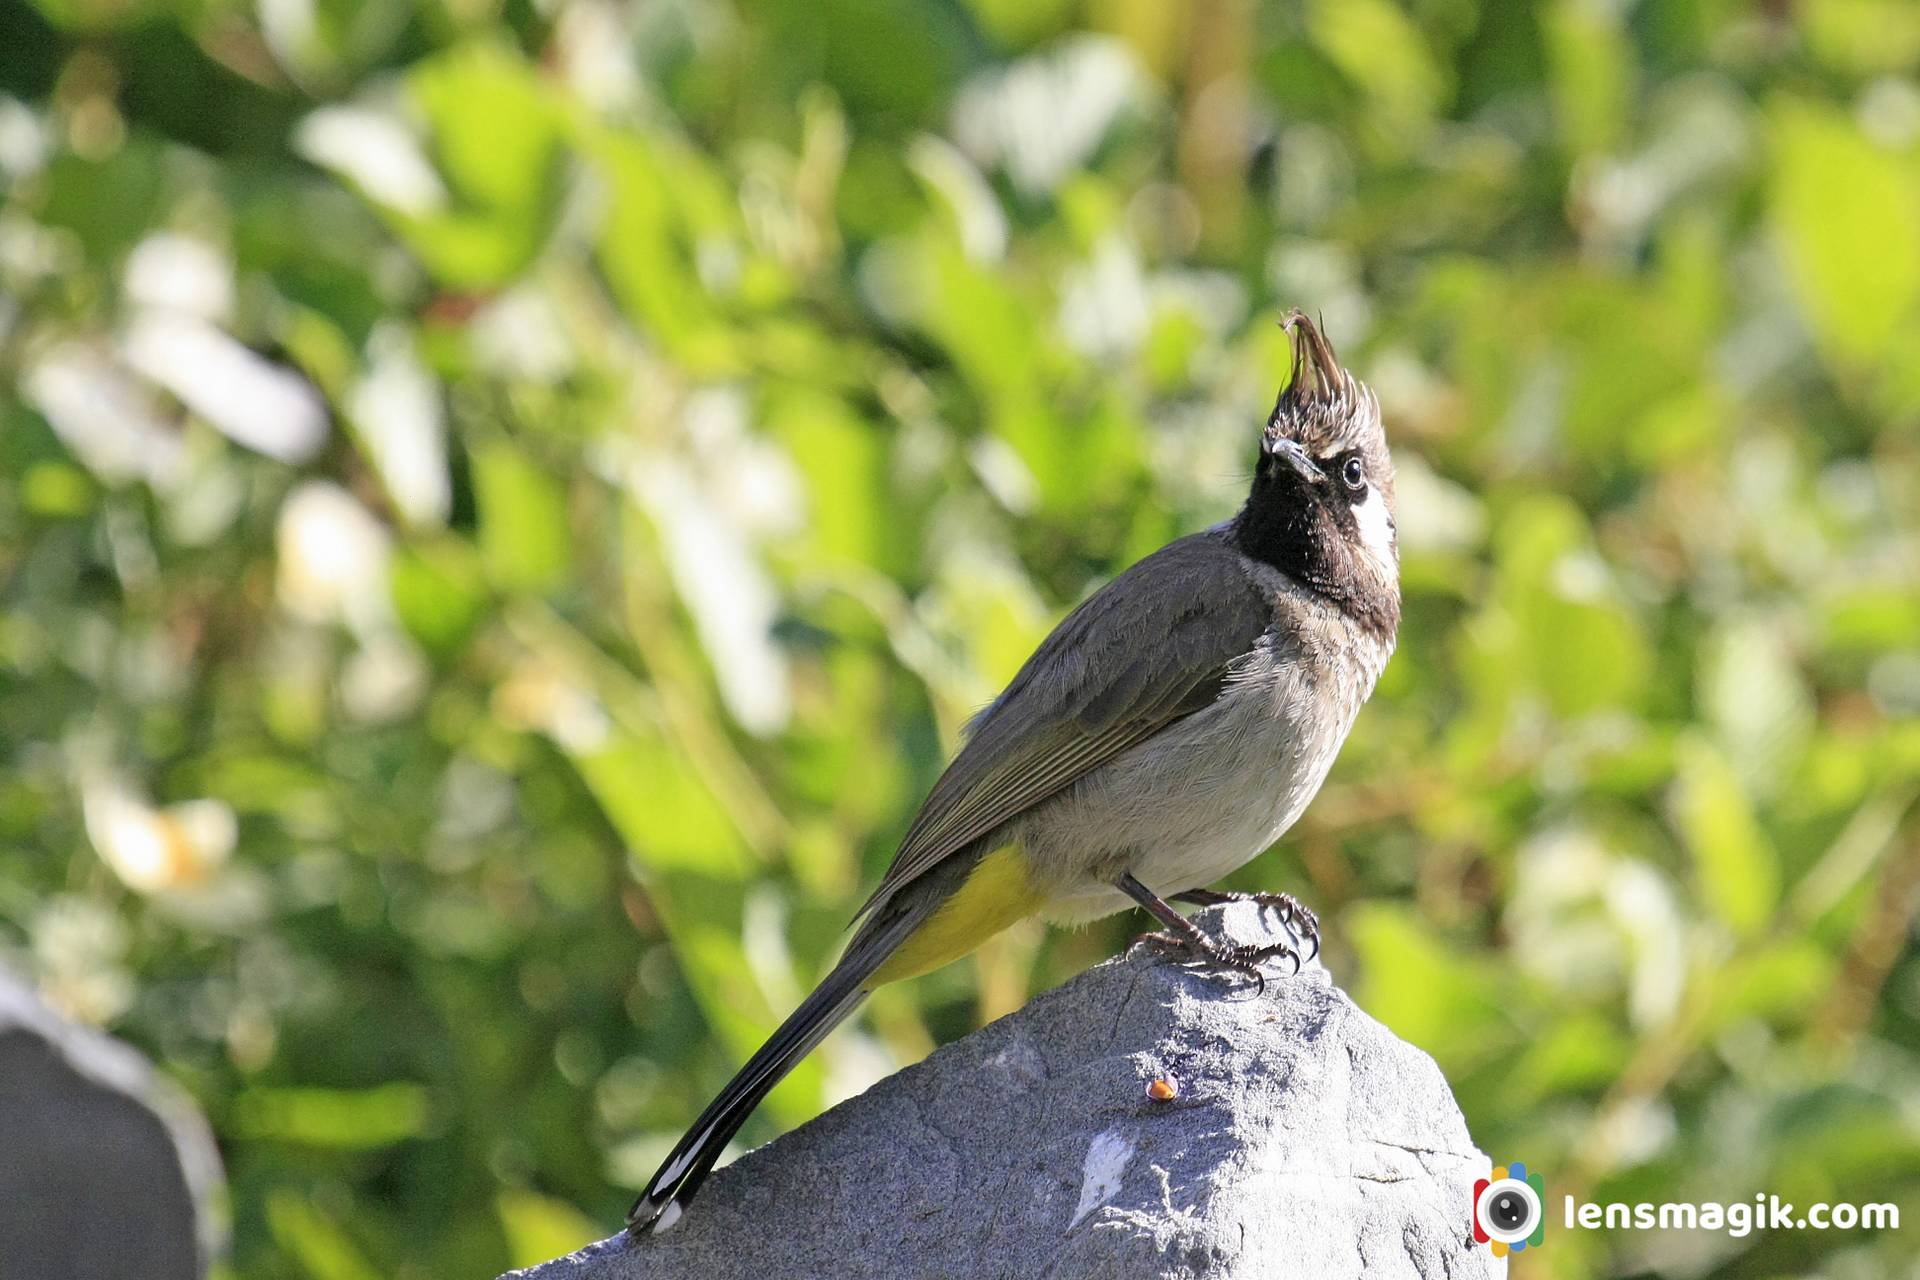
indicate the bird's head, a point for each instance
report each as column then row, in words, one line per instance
column 1321, row 509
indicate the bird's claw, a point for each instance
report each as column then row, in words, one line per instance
column 1236, row 958
column 1293, row 913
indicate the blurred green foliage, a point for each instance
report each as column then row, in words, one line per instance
column 505, row 503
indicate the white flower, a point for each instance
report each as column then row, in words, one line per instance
column 152, row 850
column 332, row 557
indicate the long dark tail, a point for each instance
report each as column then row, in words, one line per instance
column 679, row 1178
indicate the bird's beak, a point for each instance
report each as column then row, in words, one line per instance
column 1290, row 452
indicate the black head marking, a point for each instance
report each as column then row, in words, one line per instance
column 1321, row 507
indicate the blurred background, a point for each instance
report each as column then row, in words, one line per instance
column 504, row 505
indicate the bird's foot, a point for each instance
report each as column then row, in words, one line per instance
column 1234, row 957
column 1293, row 913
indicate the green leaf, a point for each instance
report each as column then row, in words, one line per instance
column 662, row 808
column 108, row 203
column 319, row 1244
column 1735, row 867
column 1862, row 37
column 350, row 1119
column 1380, row 49
column 57, row 490
column 1577, row 639
column 1580, row 1052
column 1751, row 689
column 1590, row 655
column 666, row 207
column 496, row 135
column 99, row 16
column 1436, row 995
column 850, row 516
column 698, row 873
column 1845, row 210
column 1870, row 618
column 1787, row 981
column 439, row 594
column 525, row 539
column 1591, row 61
column 539, row 1227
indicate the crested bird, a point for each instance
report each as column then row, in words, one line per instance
column 1167, row 731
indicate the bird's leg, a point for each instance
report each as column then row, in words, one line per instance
column 1293, row 913
column 1184, row 935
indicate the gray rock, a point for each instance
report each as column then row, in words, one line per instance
column 105, row 1171
column 1304, row 1141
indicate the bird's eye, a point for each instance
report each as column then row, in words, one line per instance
column 1354, row 474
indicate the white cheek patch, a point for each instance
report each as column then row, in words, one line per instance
column 1375, row 523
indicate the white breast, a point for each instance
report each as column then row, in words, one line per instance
column 1203, row 797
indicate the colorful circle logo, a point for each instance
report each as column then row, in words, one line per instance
column 1509, row 1209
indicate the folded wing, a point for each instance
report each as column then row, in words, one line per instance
column 1156, row 644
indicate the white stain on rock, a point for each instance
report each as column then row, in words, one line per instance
column 1100, row 1176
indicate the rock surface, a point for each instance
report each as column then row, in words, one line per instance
column 1304, row 1140
column 104, row 1171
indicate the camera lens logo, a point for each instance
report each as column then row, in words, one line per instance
column 1509, row 1209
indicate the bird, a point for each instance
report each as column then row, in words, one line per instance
column 1167, row 731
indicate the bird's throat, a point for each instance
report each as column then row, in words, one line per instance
column 1281, row 527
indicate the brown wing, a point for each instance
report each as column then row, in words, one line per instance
column 1153, row 645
